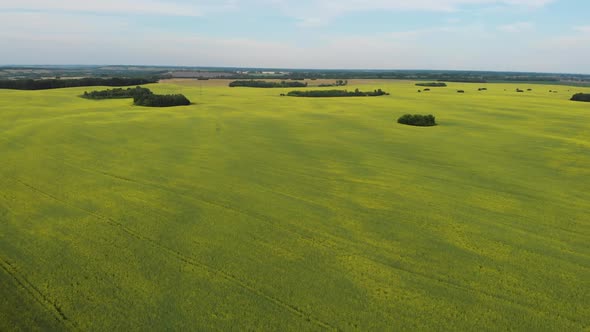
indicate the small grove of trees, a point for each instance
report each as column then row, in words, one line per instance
column 266, row 84
column 45, row 84
column 337, row 93
column 117, row 93
column 141, row 97
column 581, row 97
column 460, row 91
column 152, row 100
column 519, row 90
column 482, row 89
column 432, row 84
column 417, row 120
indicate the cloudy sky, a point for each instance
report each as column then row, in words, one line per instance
column 516, row 35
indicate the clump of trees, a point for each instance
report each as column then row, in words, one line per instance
column 337, row 83
column 519, row 90
column 141, row 97
column 482, row 89
column 153, row 100
column 581, row 97
column 117, row 93
column 432, row 84
column 46, row 84
column 460, row 91
column 337, row 93
column 417, row 120
column 266, row 84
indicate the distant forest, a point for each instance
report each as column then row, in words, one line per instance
column 45, row 84
column 141, row 97
column 265, row 84
column 581, row 97
column 337, row 83
column 337, row 93
column 153, row 73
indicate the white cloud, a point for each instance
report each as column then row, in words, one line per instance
column 517, row 27
column 150, row 7
column 583, row 29
column 321, row 12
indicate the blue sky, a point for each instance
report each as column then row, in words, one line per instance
column 515, row 35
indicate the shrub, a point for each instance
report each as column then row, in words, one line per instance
column 417, row 120
column 581, row 97
column 482, row 89
column 426, row 89
column 460, row 91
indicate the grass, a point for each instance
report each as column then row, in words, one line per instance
column 255, row 212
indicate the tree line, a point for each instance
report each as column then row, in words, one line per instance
column 581, row 97
column 417, row 120
column 266, row 84
column 433, row 84
column 117, row 93
column 337, row 83
column 337, row 93
column 141, row 97
column 46, row 84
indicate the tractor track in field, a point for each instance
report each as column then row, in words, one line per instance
column 451, row 284
column 40, row 297
column 293, row 309
column 338, row 242
column 189, row 260
column 247, row 213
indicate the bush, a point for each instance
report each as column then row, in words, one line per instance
column 417, row 120
column 482, row 89
column 460, row 91
column 581, row 97
column 433, row 84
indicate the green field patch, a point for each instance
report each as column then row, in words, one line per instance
column 313, row 214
